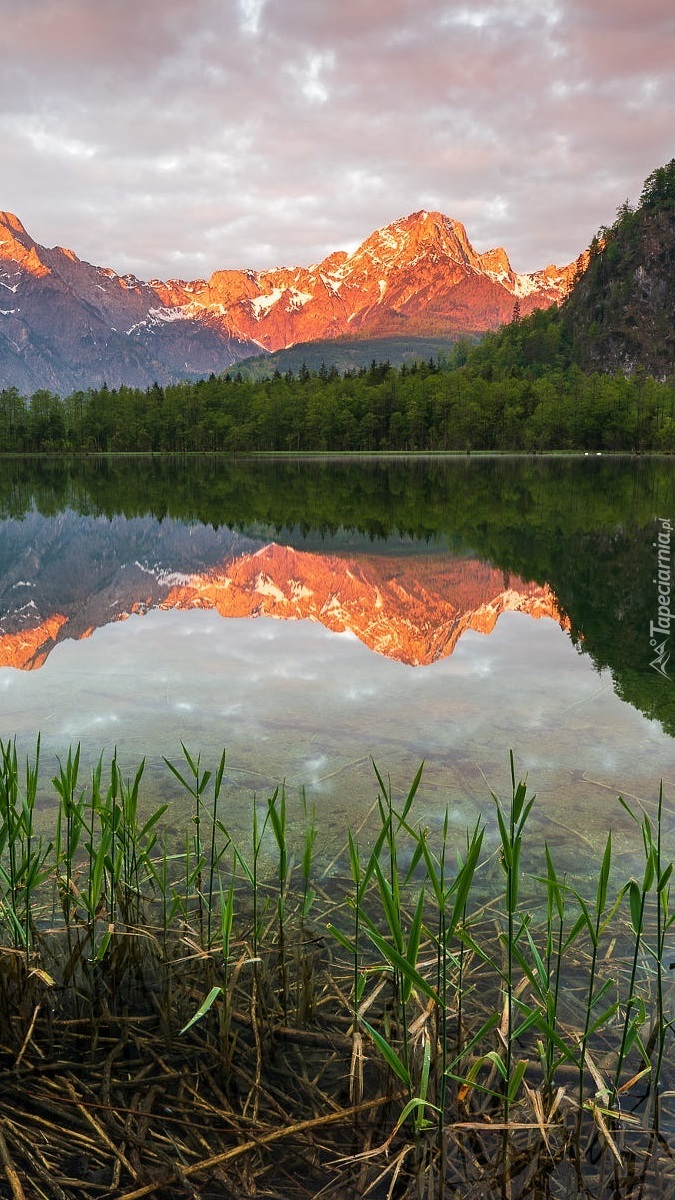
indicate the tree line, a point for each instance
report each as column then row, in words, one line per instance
column 517, row 390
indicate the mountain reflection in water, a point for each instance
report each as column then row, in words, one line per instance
column 416, row 562
column 409, row 607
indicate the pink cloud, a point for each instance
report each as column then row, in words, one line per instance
column 179, row 136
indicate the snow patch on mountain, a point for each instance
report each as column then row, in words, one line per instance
column 262, row 304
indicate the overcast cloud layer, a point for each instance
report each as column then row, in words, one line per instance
column 175, row 137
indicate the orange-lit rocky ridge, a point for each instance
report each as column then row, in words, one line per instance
column 66, row 324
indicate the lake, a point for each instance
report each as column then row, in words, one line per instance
column 314, row 616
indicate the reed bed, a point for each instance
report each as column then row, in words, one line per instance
column 180, row 1020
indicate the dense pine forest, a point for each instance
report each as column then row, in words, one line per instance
column 515, row 391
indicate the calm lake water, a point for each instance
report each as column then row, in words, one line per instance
column 313, row 616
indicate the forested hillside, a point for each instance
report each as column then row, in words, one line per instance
column 512, row 393
column 621, row 314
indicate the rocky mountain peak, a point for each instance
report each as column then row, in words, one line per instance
column 406, row 240
column 331, row 264
column 12, row 223
column 496, row 262
column 69, row 324
column 18, row 249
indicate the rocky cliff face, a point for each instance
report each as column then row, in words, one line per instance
column 69, row 578
column 65, row 324
column 621, row 315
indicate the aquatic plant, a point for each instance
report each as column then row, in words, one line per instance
column 435, row 982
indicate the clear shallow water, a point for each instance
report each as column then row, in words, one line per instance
column 293, row 702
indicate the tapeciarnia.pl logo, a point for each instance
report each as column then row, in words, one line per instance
column 659, row 630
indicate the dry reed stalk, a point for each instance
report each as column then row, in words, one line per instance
column 10, row 1170
column 275, row 1135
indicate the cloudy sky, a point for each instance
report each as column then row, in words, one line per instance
column 174, row 137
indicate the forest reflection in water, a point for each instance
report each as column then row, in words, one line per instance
column 293, row 701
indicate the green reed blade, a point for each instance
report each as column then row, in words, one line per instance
column 341, row 938
column 603, row 878
column 389, row 1054
column 204, row 1007
column 549, row 1030
column 412, row 949
column 391, row 908
column 410, row 974
column 417, row 1105
column 465, row 877
column 517, row 1076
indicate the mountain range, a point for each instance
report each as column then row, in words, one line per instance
column 68, row 325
